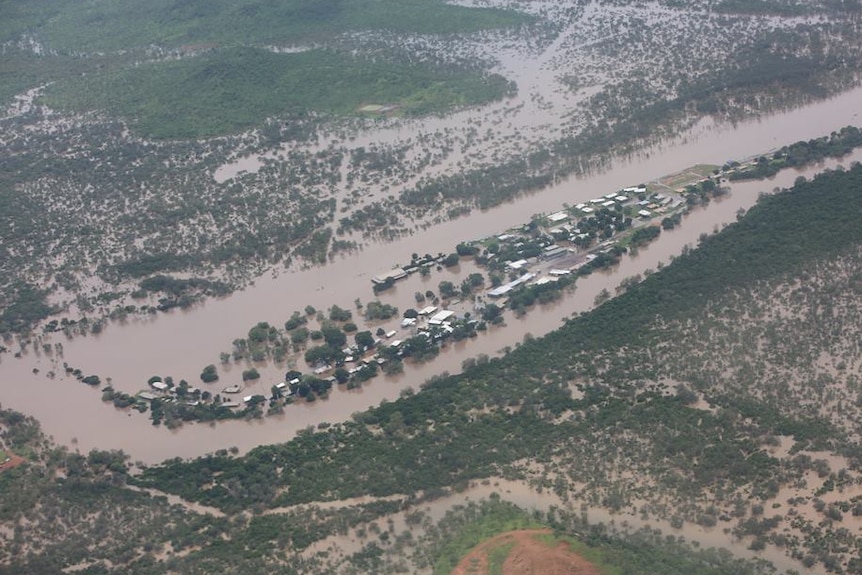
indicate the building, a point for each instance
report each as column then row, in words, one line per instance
column 506, row 288
column 441, row 316
column 388, row 277
column 554, row 251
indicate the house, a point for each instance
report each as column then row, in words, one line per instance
column 504, row 289
column 388, row 277
column 554, row 251
column 441, row 316
column 644, row 213
column 558, row 217
column 428, row 310
column 160, row 385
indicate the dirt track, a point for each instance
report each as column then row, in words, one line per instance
column 526, row 557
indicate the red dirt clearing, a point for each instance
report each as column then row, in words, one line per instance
column 526, row 557
column 14, row 461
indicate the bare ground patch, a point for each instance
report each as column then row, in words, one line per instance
column 526, row 556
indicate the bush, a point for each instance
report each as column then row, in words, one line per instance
column 209, row 374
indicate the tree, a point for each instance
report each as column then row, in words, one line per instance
column 411, row 313
column 491, row 312
column 259, row 333
column 338, row 314
column 364, row 339
column 464, row 250
column 250, row 374
column 377, row 310
column 341, row 375
column 299, row 336
column 209, row 374
column 295, row 321
column 451, row 260
column 333, row 336
column 447, row 289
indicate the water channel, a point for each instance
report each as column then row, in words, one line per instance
column 181, row 343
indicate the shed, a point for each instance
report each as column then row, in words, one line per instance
column 441, row 316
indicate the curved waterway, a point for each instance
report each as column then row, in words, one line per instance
column 180, row 344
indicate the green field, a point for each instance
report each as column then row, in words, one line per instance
column 234, row 89
column 123, row 24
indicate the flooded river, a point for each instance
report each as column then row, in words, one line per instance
column 181, row 343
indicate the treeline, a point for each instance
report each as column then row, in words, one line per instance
column 836, row 145
column 777, row 235
column 21, row 306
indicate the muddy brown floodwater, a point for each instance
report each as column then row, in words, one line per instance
column 181, row 343
column 528, row 499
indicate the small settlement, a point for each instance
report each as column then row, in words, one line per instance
column 552, row 246
column 530, row 263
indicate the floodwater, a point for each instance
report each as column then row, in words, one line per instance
column 179, row 344
column 525, row 497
